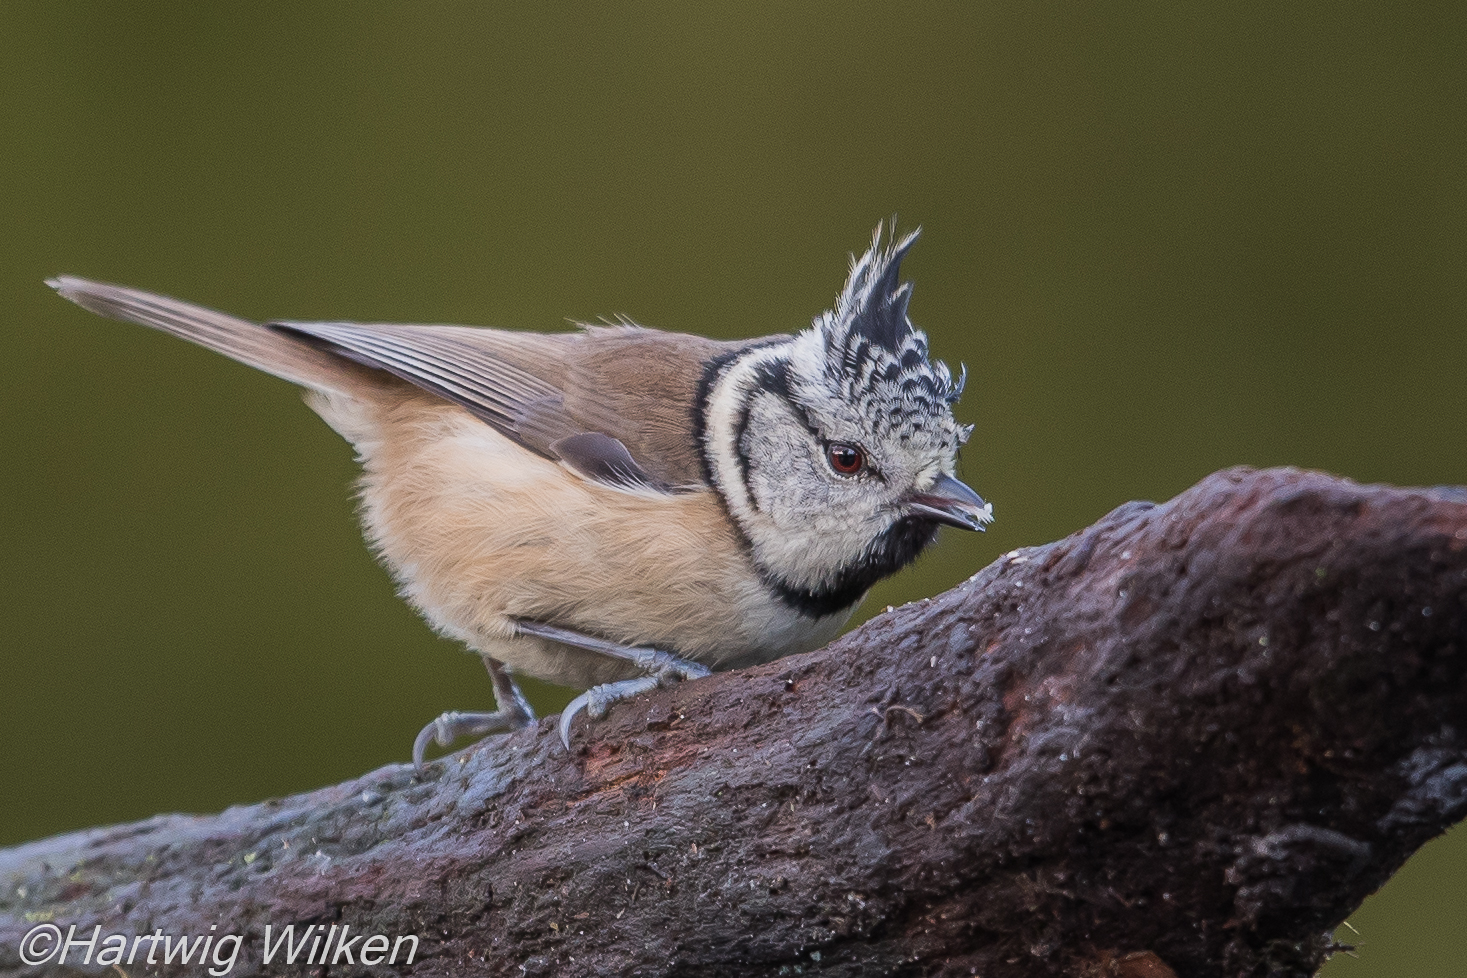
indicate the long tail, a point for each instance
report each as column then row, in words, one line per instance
column 259, row 346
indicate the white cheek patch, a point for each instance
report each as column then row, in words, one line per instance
column 777, row 455
column 726, row 404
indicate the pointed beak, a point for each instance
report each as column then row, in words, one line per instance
column 949, row 501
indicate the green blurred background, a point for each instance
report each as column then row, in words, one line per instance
column 1165, row 237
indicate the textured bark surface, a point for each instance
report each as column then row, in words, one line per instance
column 1190, row 739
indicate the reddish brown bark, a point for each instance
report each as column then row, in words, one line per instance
column 1191, row 738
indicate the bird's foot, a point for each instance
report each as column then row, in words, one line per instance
column 598, row 699
column 514, row 712
column 454, row 725
column 661, row 668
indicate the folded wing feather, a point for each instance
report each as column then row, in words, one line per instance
column 453, row 363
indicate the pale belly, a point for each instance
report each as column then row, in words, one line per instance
column 478, row 531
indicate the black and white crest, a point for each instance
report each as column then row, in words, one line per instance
column 875, row 359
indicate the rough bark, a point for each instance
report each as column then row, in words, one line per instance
column 1191, row 737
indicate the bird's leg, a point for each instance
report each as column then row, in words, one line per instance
column 514, row 712
column 662, row 669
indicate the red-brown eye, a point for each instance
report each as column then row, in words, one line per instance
column 845, row 459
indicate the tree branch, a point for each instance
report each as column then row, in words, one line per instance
column 1192, row 737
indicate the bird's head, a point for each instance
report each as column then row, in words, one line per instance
column 836, row 450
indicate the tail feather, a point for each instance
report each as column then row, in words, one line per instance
column 259, row 346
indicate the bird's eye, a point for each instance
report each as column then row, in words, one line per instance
column 845, row 459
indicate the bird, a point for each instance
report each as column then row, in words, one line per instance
column 618, row 508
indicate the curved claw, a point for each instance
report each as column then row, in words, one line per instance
column 420, row 744
column 598, row 699
column 453, row 725
column 569, row 713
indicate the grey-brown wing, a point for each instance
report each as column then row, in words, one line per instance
column 631, row 387
column 435, row 359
